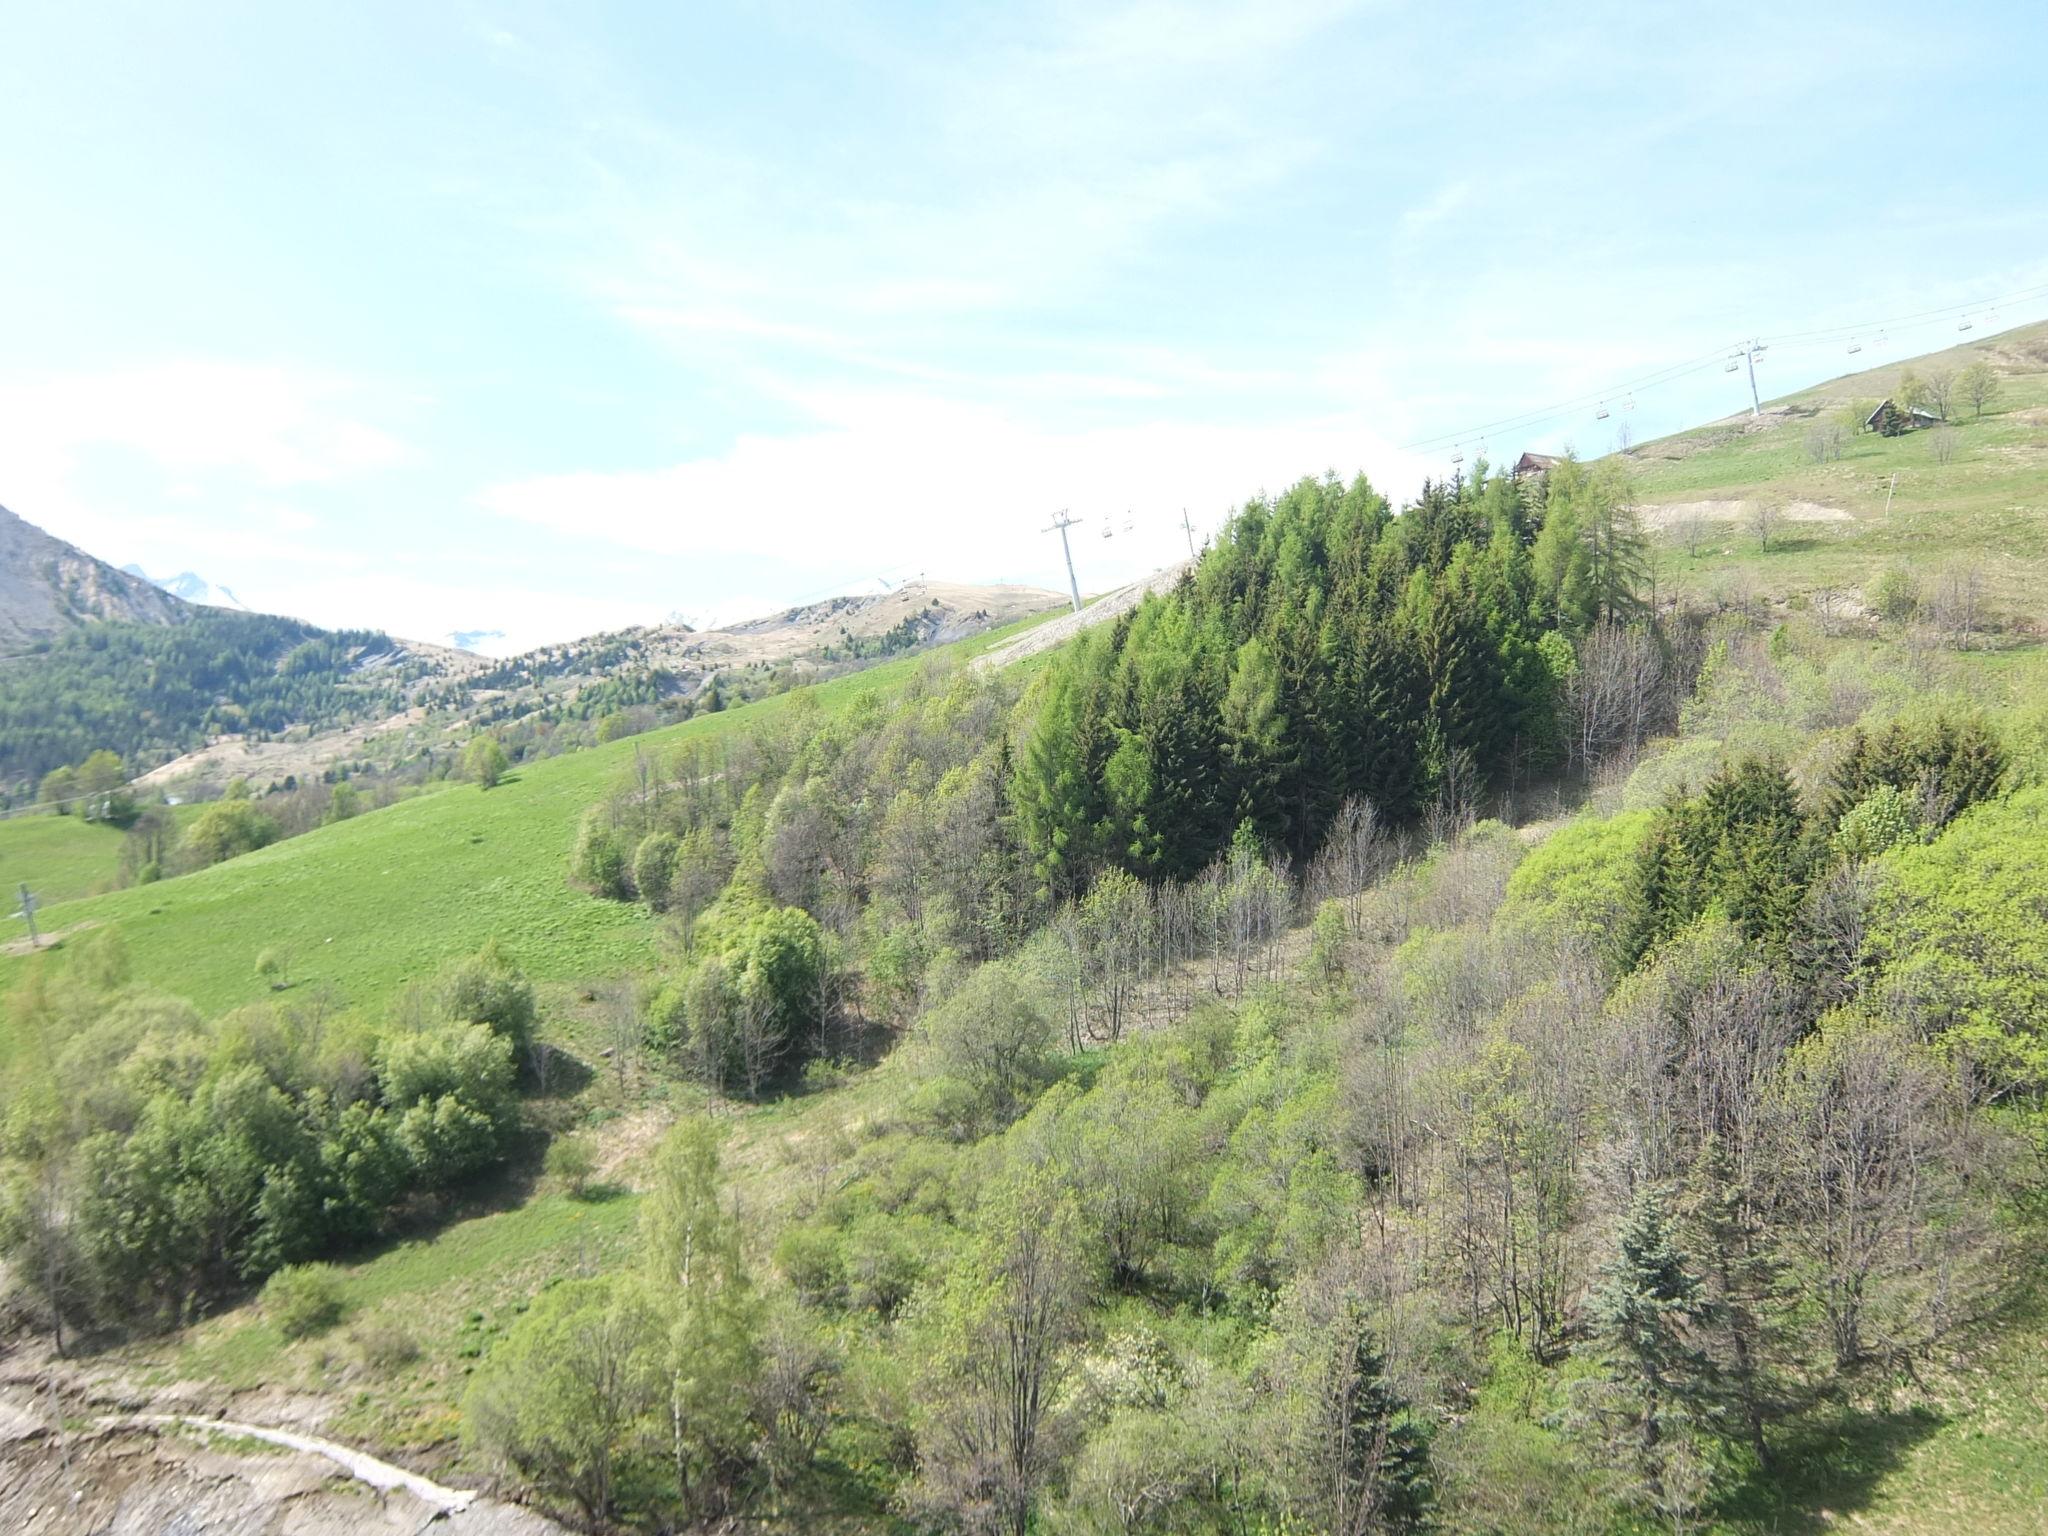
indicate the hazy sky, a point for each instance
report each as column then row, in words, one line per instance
column 555, row 318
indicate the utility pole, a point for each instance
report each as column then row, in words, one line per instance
column 1749, row 353
column 1186, row 523
column 28, row 910
column 1062, row 522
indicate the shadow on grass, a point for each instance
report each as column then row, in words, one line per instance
column 600, row 1193
column 1791, row 544
column 1827, row 1469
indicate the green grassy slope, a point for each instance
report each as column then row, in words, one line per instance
column 1987, row 507
column 370, row 904
column 60, row 858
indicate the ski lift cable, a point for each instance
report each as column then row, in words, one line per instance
column 1571, row 404
column 1826, row 335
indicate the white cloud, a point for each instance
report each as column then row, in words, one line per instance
column 955, row 489
column 280, row 426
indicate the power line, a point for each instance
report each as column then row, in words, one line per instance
column 1702, row 362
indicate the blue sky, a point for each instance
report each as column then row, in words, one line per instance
column 555, row 318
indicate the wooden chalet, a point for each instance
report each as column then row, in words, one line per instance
column 1890, row 420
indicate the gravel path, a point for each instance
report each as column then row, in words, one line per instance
column 1056, row 631
column 380, row 1475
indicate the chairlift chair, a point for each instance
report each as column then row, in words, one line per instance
column 1966, row 325
column 1601, row 414
column 1855, row 347
column 1730, row 366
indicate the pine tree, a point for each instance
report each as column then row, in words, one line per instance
column 1656, row 1385
column 1748, row 1332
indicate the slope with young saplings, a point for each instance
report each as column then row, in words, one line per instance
column 1802, row 503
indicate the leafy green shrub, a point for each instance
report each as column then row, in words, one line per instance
column 273, row 969
column 385, row 1346
column 484, row 760
column 570, row 1162
column 488, row 988
column 653, row 866
column 598, row 861
column 228, row 828
column 808, row 1257
column 303, row 1299
column 1895, row 595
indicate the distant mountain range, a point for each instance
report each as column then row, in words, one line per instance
column 193, row 588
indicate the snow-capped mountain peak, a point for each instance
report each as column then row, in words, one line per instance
column 193, row 588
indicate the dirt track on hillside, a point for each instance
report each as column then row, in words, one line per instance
column 1100, row 611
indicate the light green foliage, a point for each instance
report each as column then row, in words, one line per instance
column 991, row 1042
column 1591, row 561
column 1329, row 943
column 1577, row 883
column 570, row 1163
column 484, row 761
column 487, row 988
column 470, row 1061
column 992, row 1351
column 228, row 828
column 1876, row 824
column 600, row 861
column 1959, row 932
column 565, row 1396
column 753, row 994
column 273, row 969
column 709, row 1316
column 303, row 1299
column 1895, row 596
column 654, row 867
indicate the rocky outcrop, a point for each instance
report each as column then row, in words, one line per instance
column 48, row 586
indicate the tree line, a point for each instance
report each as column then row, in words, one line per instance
column 157, row 690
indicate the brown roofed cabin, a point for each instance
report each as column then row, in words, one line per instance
column 1890, row 420
column 1531, row 466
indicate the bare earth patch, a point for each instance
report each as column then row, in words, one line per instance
column 1672, row 514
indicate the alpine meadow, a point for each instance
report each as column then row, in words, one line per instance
column 1492, row 990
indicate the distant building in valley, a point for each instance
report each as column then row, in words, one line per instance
column 1534, row 466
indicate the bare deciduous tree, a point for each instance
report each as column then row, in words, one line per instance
column 1957, row 604
column 1614, row 695
column 1765, row 518
column 1941, row 389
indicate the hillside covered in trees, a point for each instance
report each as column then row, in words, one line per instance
column 148, row 692
column 1214, row 1081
